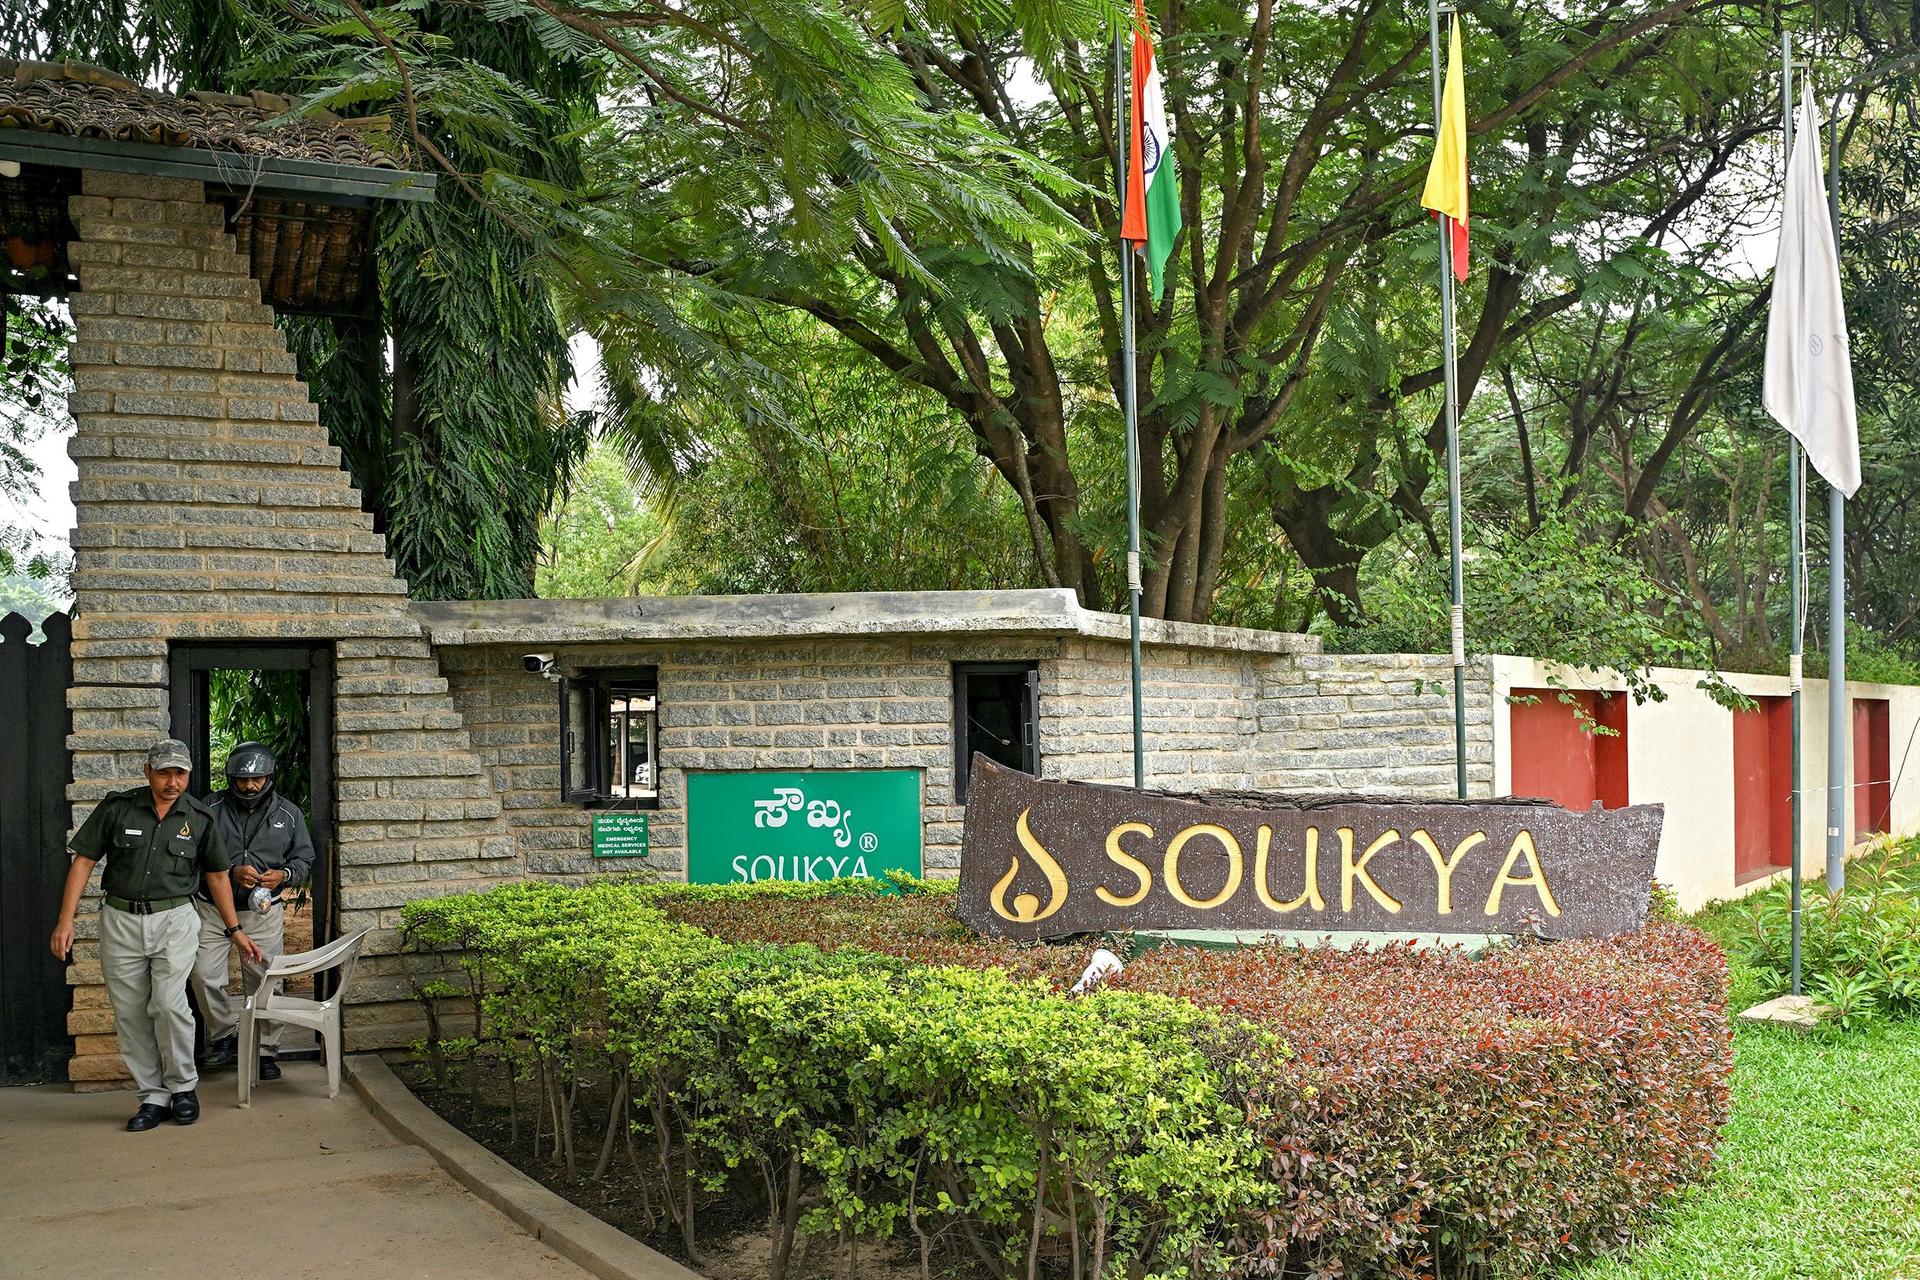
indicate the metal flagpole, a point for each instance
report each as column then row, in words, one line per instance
column 1836, row 689
column 1452, row 380
column 1123, row 130
column 1796, row 550
column 1836, row 593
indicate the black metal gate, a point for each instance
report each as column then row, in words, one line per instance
column 34, row 768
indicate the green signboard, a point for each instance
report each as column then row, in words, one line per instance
column 815, row 825
column 619, row 835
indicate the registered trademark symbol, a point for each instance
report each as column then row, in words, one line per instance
column 869, row 842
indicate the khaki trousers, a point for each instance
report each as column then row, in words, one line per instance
column 221, row 1010
column 145, row 961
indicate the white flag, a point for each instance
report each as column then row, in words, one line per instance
column 1809, row 381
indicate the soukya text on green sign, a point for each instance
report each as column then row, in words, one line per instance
column 813, row 825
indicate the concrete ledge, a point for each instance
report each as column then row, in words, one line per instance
column 851, row 614
column 569, row 1231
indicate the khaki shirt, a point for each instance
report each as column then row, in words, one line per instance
column 149, row 857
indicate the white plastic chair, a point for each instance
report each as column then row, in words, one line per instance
column 270, row 1004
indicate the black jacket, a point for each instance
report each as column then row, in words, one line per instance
column 272, row 837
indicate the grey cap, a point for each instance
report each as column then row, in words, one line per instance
column 169, row 753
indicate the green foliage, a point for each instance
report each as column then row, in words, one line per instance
column 1816, row 1169
column 460, row 446
column 30, row 597
column 34, row 379
column 269, row 707
column 711, row 190
column 600, row 537
column 35, row 576
column 479, row 443
column 1860, row 948
column 1870, row 657
column 859, row 483
column 883, row 1096
column 37, row 375
column 1555, row 593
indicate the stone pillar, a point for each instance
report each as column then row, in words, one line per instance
column 211, row 506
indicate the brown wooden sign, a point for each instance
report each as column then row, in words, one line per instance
column 1043, row 859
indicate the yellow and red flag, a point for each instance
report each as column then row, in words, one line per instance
column 1446, row 192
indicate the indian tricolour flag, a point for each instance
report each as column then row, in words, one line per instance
column 1152, row 215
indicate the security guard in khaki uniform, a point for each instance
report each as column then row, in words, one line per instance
column 266, row 837
column 159, row 844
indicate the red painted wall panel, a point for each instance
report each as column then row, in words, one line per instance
column 1762, row 788
column 1556, row 757
column 1872, row 766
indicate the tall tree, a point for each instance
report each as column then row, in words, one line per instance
column 1300, row 134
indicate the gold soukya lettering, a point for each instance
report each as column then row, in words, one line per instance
column 1171, row 868
column 1536, row 876
column 1352, row 869
column 1310, row 893
column 1122, row 858
column 1443, row 868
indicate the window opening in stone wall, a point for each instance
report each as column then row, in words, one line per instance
column 996, row 710
column 610, row 739
column 632, row 724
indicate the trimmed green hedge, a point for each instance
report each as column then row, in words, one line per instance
column 945, row 1103
column 1260, row 1112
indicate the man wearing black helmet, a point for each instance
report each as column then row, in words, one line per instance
column 266, row 836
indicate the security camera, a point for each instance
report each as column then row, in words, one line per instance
column 538, row 664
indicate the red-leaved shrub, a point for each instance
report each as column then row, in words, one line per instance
column 1446, row 1115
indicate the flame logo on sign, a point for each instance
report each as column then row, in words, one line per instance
column 1026, row 907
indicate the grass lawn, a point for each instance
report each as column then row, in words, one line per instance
column 1819, row 1170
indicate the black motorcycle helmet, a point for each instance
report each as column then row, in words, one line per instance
column 250, row 760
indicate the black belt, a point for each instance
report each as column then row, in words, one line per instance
column 145, row 908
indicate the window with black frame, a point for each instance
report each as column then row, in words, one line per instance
column 610, row 738
column 996, row 713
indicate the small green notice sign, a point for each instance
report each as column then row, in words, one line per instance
column 619, row 835
column 813, row 825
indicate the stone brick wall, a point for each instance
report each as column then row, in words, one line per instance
column 210, row 506
column 861, row 704
column 1376, row 723
column 811, row 704
column 1197, row 711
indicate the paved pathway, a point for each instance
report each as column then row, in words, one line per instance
column 298, row 1187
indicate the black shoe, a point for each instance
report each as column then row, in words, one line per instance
column 269, row 1068
column 223, row 1052
column 148, row 1117
column 186, row 1107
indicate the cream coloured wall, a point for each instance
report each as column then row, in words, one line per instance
column 1680, row 755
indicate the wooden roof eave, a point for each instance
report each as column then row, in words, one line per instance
column 225, row 171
